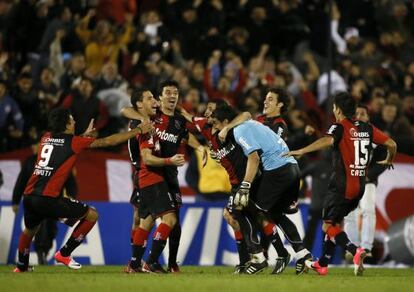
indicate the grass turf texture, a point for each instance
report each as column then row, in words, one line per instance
column 112, row 278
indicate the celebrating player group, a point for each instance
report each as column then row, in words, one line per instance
column 263, row 172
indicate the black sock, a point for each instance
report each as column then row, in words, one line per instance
column 265, row 243
column 242, row 250
column 291, row 233
column 137, row 253
column 328, row 251
column 278, row 245
column 343, row 240
column 249, row 230
column 23, row 261
column 173, row 244
column 156, row 250
column 69, row 246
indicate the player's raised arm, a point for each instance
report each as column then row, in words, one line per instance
column 240, row 118
column 115, row 139
column 193, row 143
column 130, row 113
column 151, row 160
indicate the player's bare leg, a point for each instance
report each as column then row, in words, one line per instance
column 79, row 233
column 241, row 245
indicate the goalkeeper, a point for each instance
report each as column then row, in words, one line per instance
column 278, row 187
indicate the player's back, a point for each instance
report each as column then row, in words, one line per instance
column 252, row 135
column 353, row 144
column 55, row 159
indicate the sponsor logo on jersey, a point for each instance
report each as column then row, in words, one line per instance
column 223, row 152
column 164, row 136
column 54, row 140
column 356, row 134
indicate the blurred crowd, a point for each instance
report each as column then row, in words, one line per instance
column 89, row 55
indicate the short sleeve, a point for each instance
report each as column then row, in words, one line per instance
column 378, row 137
column 202, row 126
column 335, row 131
column 80, row 143
column 244, row 136
column 146, row 141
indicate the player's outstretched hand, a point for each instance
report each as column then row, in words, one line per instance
column 294, row 153
column 90, row 131
column 178, row 159
column 386, row 163
column 223, row 134
column 146, row 127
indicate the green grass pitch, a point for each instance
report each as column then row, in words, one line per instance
column 211, row 279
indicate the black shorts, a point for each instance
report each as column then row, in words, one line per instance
column 155, row 200
column 37, row 208
column 135, row 197
column 278, row 190
column 171, row 179
column 336, row 206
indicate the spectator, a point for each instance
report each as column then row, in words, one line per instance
column 84, row 106
column 11, row 120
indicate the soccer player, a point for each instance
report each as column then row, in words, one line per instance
column 352, row 144
column 279, row 183
column 57, row 154
column 155, row 200
column 276, row 104
column 366, row 206
column 171, row 129
column 231, row 157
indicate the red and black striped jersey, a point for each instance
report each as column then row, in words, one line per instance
column 56, row 156
column 352, row 148
column 149, row 175
column 277, row 124
column 229, row 153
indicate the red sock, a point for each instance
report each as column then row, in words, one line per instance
column 140, row 237
column 269, row 229
column 82, row 229
column 24, row 243
column 238, row 235
column 162, row 232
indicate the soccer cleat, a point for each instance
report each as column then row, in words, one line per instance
column 240, row 269
column 281, row 264
column 301, row 266
column 67, row 261
column 18, row 270
column 358, row 260
column 130, row 270
column 174, row 269
column 153, row 268
column 369, row 253
column 317, row 268
column 255, row 268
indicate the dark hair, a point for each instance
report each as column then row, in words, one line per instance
column 58, row 119
column 346, row 103
column 361, row 105
column 137, row 95
column 282, row 96
column 224, row 113
column 25, row 75
column 168, row 83
column 220, row 103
